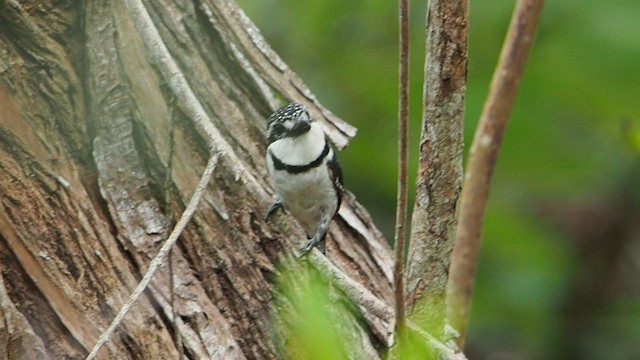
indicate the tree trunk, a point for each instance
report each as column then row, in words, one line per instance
column 85, row 119
column 439, row 177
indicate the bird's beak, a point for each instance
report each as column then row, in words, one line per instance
column 301, row 127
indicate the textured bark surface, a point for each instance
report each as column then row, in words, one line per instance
column 84, row 133
column 440, row 167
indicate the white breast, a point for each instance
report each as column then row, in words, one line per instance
column 302, row 149
column 309, row 196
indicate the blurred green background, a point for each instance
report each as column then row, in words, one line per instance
column 559, row 274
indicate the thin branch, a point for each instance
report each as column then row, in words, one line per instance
column 443, row 351
column 482, row 159
column 169, row 221
column 160, row 257
column 177, row 337
column 354, row 290
column 403, row 145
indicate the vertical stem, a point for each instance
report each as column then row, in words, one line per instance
column 169, row 222
column 403, row 134
column 482, row 159
column 440, row 164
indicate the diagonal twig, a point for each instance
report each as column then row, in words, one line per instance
column 443, row 351
column 354, row 290
column 160, row 257
column 482, row 159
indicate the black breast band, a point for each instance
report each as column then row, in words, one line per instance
column 297, row 169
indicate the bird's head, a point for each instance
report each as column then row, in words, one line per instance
column 291, row 121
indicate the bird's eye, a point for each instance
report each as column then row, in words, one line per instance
column 278, row 127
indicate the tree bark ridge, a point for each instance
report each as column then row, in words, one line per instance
column 440, row 165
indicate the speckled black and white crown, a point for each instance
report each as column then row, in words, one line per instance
column 291, row 111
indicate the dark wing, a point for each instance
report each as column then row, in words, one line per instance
column 336, row 176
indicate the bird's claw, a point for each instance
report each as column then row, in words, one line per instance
column 310, row 245
column 272, row 209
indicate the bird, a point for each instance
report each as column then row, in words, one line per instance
column 305, row 172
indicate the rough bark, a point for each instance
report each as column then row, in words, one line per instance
column 84, row 131
column 440, row 167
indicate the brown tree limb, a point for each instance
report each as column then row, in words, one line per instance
column 403, row 155
column 355, row 291
column 440, row 166
column 482, row 159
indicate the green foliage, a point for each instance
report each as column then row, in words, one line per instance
column 410, row 345
column 631, row 133
column 311, row 318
